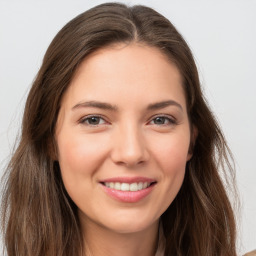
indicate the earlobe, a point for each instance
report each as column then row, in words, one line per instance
column 194, row 134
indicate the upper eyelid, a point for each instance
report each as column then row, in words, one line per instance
column 84, row 118
column 171, row 121
column 168, row 116
column 163, row 115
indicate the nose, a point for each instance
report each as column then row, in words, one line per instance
column 129, row 147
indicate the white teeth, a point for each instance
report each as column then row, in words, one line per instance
column 133, row 187
column 117, row 186
column 126, row 186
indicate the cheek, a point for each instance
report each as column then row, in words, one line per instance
column 174, row 159
column 173, row 163
column 171, row 156
column 79, row 157
column 79, row 153
column 172, row 153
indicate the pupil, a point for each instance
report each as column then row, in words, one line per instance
column 159, row 120
column 94, row 120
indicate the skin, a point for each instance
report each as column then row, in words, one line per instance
column 129, row 140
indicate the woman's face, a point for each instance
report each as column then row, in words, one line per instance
column 123, row 137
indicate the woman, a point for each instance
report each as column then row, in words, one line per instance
column 119, row 152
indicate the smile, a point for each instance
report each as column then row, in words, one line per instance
column 128, row 190
column 126, row 186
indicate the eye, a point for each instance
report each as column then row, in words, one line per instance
column 162, row 120
column 93, row 121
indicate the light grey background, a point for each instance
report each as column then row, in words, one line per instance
column 222, row 36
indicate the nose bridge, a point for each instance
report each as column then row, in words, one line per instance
column 129, row 146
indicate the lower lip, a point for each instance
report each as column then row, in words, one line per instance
column 128, row 196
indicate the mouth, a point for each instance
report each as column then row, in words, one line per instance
column 132, row 187
column 128, row 189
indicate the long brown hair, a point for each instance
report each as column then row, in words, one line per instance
column 39, row 218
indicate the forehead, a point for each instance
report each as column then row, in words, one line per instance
column 127, row 71
column 130, row 57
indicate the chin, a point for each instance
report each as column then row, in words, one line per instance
column 127, row 225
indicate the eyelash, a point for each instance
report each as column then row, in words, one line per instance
column 90, row 117
column 86, row 120
column 171, row 120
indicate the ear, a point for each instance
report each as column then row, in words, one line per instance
column 193, row 137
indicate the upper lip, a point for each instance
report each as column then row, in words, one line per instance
column 128, row 180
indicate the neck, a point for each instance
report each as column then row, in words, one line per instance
column 101, row 241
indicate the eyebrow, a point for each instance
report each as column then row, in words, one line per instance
column 107, row 106
column 95, row 104
column 164, row 104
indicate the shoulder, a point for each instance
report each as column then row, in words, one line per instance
column 252, row 253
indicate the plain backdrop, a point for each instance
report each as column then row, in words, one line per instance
column 222, row 36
